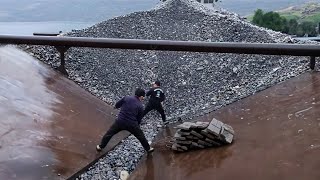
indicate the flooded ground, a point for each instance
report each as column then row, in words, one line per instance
column 49, row 126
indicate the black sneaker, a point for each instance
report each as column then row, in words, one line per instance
column 151, row 150
column 98, row 148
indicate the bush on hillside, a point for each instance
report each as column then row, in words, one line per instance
column 273, row 20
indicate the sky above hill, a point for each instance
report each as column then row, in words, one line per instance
column 98, row 10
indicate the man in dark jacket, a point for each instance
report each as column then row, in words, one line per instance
column 155, row 102
column 129, row 118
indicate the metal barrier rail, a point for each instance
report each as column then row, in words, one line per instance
column 62, row 44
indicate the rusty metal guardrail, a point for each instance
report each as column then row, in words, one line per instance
column 62, row 44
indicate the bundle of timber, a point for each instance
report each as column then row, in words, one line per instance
column 201, row 135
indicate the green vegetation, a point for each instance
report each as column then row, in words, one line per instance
column 304, row 12
column 287, row 24
column 313, row 18
column 290, row 16
column 271, row 20
column 299, row 20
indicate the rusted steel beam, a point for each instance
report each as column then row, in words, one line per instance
column 62, row 50
column 165, row 45
column 45, row 34
column 312, row 62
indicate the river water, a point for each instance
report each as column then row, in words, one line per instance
column 28, row 28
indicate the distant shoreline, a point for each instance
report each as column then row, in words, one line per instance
column 28, row 28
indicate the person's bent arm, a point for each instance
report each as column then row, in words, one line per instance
column 119, row 103
column 149, row 92
column 162, row 97
column 140, row 115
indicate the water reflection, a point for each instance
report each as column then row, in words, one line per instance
column 187, row 163
column 26, row 110
column 199, row 160
column 48, row 123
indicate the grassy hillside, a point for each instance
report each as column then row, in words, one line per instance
column 305, row 12
column 247, row 7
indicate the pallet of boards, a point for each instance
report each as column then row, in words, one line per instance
column 200, row 135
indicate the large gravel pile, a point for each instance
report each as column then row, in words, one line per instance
column 195, row 83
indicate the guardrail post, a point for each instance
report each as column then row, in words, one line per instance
column 62, row 50
column 312, row 62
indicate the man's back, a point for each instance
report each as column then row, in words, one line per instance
column 128, row 119
column 156, row 95
column 131, row 109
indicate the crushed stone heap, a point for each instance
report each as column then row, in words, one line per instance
column 195, row 83
column 201, row 135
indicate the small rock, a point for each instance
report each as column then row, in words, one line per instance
column 200, row 68
column 78, row 79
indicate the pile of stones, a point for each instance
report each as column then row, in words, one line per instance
column 201, row 135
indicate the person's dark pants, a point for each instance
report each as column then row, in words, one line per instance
column 133, row 128
column 155, row 106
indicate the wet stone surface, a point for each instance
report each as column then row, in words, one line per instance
column 277, row 137
column 49, row 125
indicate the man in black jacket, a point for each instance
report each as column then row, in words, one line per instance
column 155, row 102
column 129, row 118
